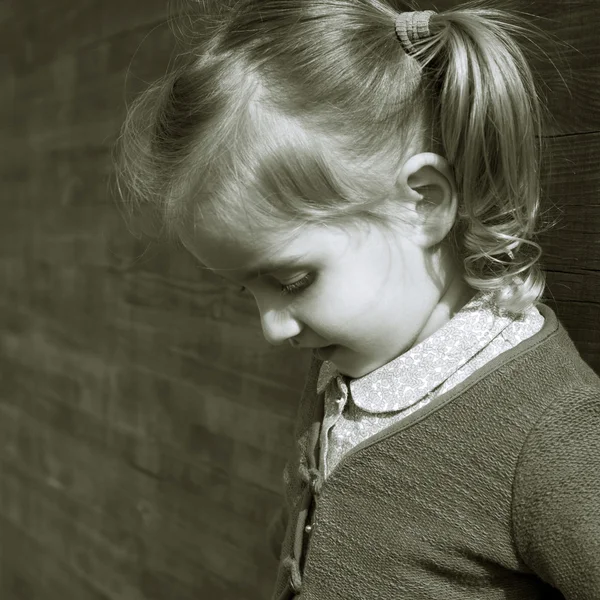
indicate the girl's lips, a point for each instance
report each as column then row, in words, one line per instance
column 326, row 352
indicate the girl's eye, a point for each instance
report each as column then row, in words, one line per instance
column 295, row 288
column 292, row 288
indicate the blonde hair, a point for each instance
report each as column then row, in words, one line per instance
column 306, row 110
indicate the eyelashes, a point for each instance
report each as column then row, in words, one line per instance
column 290, row 289
column 295, row 288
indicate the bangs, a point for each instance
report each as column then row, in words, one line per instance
column 273, row 170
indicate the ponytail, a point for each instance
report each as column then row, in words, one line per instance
column 490, row 119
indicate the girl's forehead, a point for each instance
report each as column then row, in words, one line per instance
column 227, row 248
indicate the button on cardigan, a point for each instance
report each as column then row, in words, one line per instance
column 489, row 489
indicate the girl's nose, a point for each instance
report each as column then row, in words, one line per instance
column 279, row 327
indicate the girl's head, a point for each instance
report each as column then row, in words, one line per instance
column 304, row 129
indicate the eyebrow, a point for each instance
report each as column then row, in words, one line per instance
column 268, row 267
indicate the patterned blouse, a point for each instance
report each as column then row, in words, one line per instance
column 356, row 409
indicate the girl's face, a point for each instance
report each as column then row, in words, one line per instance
column 371, row 296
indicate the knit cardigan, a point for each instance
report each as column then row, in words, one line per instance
column 491, row 491
column 358, row 408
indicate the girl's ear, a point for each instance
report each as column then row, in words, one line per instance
column 429, row 189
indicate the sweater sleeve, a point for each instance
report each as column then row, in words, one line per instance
column 278, row 524
column 556, row 498
column 279, row 521
column 276, row 530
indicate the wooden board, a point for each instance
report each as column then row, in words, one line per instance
column 144, row 421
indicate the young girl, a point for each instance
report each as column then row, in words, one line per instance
column 370, row 173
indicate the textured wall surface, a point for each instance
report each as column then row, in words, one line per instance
column 144, row 421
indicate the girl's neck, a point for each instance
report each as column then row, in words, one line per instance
column 457, row 294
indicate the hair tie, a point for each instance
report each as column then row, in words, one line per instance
column 412, row 27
